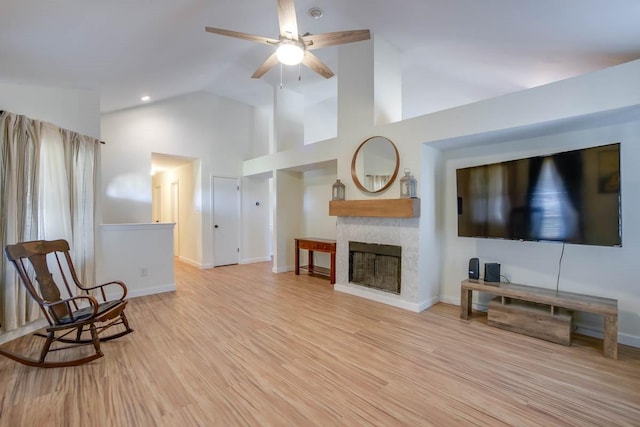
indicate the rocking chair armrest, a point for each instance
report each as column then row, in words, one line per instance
column 115, row 282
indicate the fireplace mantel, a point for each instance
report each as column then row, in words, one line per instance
column 381, row 208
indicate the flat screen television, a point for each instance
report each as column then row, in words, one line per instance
column 572, row 197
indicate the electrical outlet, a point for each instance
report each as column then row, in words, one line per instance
column 144, row 271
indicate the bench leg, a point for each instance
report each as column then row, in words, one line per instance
column 610, row 345
column 465, row 303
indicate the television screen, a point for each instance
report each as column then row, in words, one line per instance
column 572, row 197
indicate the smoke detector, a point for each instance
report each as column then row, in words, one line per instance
column 315, row 13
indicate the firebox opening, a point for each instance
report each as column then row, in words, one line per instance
column 376, row 266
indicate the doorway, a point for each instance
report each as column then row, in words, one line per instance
column 175, row 216
column 173, row 196
column 156, row 205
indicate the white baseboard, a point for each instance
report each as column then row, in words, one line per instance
column 276, row 269
column 428, row 303
column 195, row 264
column 590, row 331
column 254, row 260
column 171, row 287
column 151, row 290
column 448, row 300
column 384, row 298
column 23, row 330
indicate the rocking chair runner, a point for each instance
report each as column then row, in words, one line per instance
column 80, row 313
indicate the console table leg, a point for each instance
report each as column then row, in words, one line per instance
column 297, row 258
column 610, row 345
column 332, row 277
column 465, row 303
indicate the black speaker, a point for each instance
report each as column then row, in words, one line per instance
column 491, row 272
column 474, row 268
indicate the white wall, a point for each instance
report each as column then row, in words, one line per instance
column 321, row 111
column 140, row 255
column 76, row 110
column 255, row 229
column 320, row 121
column 288, row 187
column 215, row 130
column 387, row 82
column 288, row 119
column 263, row 142
column 316, row 221
column 594, row 270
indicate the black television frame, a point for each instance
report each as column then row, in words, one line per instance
column 599, row 172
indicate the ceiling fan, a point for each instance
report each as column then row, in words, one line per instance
column 293, row 48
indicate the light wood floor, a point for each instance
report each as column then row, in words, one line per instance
column 242, row 346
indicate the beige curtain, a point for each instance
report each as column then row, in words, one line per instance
column 48, row 182
column 19, row 163
column 82, row 154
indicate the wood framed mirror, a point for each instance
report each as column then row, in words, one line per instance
column 375, row 164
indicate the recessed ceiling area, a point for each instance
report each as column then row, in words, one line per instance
column 452, row 53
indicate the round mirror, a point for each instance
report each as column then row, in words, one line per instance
column 375, row 164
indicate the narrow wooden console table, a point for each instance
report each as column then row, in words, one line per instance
column 312, row 244
column 603, row 306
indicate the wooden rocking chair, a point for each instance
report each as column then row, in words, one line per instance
column 79, row 313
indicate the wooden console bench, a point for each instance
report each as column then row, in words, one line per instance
column 312, row 244
column 603, row 306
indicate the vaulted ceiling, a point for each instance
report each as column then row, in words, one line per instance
column 453, row 51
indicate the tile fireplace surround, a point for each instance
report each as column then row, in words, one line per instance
column 402, row 232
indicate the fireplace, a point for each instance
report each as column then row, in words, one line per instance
column 375, row 266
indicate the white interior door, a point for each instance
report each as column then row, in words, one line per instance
column 226, row 221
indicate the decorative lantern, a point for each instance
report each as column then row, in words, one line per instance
column 337, row 190
column 408, row 185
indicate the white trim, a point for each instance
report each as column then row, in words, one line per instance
column 626, row 339
column 195, row 263
column 254, row 260
column 23, row 330
column 141, row 226
column 171, row 287
column 190, row 262
column 448, row 300
column 428, row 303
column 384, row 298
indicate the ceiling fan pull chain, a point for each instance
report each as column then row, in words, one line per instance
column 299, row 73
column 281, row 75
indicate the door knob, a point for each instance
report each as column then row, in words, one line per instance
column 215, row 226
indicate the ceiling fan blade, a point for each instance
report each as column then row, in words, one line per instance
column 287, row 19
column 312, row 61
column 316, row 41
column 266, row 66
column 239, row 35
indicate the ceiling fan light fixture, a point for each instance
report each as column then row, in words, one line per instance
column 289, row 52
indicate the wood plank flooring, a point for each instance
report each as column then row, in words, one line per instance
column 240, row 346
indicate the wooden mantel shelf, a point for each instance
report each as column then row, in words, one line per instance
column 381, row 208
